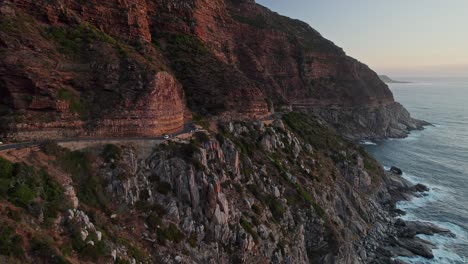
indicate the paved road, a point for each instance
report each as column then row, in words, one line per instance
column 187, row 128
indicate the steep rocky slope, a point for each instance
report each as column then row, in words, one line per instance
column 136, row 68
column 290, row 192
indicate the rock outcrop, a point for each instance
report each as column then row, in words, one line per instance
column 134, row 68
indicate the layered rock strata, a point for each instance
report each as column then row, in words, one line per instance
column 73, row 68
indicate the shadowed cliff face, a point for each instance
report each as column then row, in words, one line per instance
column 74, row 68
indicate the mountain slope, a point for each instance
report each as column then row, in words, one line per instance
column 139, row 68
column 288, row 192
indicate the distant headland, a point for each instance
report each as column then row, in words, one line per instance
column 387, row 79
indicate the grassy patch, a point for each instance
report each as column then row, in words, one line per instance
column 74, row 101
column 90, row 186
column 314, row 133
column 249, row 229
column 154, row 221
column 373, row 167
column 171, row 233
column 23, row 185
column 6, row 168
column 276, row 208
column 73, row 41
column 199, row 120
column 42, row 247
column 10, row 243
column 193, row 239
column 134, row 251
column 88, row 252
column 301, row 194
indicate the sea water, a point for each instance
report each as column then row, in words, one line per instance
column 436, row 157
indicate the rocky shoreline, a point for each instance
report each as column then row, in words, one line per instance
column 400, row 239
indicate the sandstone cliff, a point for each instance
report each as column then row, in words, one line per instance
column 138, row 68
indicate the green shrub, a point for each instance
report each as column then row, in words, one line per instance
column 91, row 189
column 154, row 221
column 314, row 133
column 8, row 26
column 86, row 251
column 121, row 261
column 73, row 41
column 51, row 148
column 171, row 233
column 138, row 254
column 306, row 196
column 201, row 137
column 6, row 168
column 10, row 242
column 249, row 229
column 13, row 214
column 193, row 239
column 111, row 152
column 275, row 206
column 64, row 94
column 53, row 197
column 21, row 195
column 199, row 120
column 26, row 185
column 43, row 248
column 5, row 185
column 256, row 209
column 134, row 251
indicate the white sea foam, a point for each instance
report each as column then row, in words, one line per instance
column 436, row 193
column 368, row 143
column 413, row 136
column 444, row 252
column 440, row 256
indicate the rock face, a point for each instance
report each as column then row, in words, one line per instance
column 133, row 68
column 237, row 200
column 287, row 191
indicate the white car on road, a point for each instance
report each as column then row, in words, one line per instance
column 166, row 136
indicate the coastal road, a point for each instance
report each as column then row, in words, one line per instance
column 188, row 127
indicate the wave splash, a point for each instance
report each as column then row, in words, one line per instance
column 444, row 252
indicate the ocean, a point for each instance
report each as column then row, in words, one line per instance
column 436, row 157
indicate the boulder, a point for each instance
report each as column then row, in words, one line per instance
column 396, row 170
column 278, row 123
column 421, row 188
column 418, row 246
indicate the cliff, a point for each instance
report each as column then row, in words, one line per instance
column 290, row 191
column 140, row 68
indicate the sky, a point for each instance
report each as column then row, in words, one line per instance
column 395, row 37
